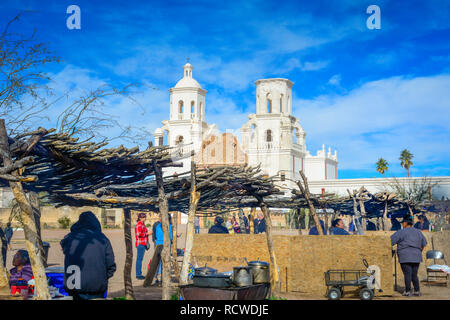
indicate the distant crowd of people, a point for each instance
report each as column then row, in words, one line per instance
column 338, row 226
column 233, row 225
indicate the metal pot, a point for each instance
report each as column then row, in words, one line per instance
column 261, row 271
column 242, row 276
column 217, row 280
column 204, row 271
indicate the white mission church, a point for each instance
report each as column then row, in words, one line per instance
column 271, row 138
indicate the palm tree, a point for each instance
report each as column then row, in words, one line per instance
column 382, row 166
column 405, row 159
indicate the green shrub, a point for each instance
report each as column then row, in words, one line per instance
column 64, row 222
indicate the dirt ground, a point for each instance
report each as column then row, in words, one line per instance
column 56, row 258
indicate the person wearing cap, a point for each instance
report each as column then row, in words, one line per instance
column 423, row 223
column 142, row 243
column 410, row 243
column 218, row 227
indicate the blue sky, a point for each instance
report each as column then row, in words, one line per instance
column 367, row 93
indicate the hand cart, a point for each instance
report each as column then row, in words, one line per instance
column 337, row 279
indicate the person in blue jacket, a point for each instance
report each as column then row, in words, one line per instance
column 159, row 241
column 410, row 243
column 313, row 230
column 338, row 228
column 88, row 259
column 423, row 223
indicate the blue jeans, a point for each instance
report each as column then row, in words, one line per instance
column 139, row 258
column 197, row 229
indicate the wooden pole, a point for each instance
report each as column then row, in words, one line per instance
column 164, row 211
column 31, row 236
column 252, row 218
column 195, row 197
column 129, row 293
column 385, row 213
column 4, row 275
column 356, row 214
column 36, row 204
column 275, row 282
column 175, row 244
column 306, row 195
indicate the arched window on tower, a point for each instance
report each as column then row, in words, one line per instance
column 253, row 133
column 269, row 102
column 192, row 109
column 294, row 135
column 180, row 109
column 281, row 103
column 269, row 105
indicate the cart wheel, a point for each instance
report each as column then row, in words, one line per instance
column 366, row 294
column 334, row 293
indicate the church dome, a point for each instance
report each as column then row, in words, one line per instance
column 188, row 81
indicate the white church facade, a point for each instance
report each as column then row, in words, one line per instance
column 271, row 138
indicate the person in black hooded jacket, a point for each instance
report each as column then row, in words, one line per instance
column 88, row 259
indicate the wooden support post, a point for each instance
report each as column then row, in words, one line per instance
column 385, row 214
column 175, row 244
column 356, row 213
column 194, row 198
column 164, row 211
column 275, row 282
column 36, row 204
column 31, row 237
column 252, row 218
column 306, row 195
column 129, row 293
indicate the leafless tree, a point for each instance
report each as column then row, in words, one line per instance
column 22, row 79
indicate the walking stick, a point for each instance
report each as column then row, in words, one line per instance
column 395, row 270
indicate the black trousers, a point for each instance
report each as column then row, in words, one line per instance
column 410, row 274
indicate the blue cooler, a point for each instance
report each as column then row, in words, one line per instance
column 55, row 276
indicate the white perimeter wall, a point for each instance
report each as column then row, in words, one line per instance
column 373, row 185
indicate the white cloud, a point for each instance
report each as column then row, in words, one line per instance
column 381, row 118
column 335, row 80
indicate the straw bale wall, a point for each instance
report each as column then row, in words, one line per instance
column 302, row 260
